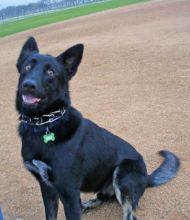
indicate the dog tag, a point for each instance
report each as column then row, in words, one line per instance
column 49, row 137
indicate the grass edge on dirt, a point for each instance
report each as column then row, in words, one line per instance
column 17, row 26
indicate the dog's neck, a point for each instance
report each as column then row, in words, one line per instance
column 59, row 126
column 44, row 119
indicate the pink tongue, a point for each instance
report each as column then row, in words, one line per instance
column 30, row 99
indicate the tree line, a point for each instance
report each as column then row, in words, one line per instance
column 39, row 7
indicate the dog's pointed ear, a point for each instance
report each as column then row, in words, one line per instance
column 71, row 59
column 28, row 48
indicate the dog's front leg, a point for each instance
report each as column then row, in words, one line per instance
column 50, row 199
column 72, row 203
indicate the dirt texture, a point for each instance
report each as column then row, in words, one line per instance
column 134, row 80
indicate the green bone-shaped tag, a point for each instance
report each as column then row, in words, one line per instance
column 49, row 137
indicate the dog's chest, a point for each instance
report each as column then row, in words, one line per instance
column 33, row 147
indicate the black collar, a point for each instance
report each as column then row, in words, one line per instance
column 44, row 119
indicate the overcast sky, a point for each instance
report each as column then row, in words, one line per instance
column 5, row 3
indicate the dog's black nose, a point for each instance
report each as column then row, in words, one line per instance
column 29, row 84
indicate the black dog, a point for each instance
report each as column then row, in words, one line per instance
column 68, row 153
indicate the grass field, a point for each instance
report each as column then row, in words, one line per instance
column 45, row 19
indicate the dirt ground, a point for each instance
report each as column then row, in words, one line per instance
column 134, row 80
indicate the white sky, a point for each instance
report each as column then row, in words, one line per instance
column 5, row 3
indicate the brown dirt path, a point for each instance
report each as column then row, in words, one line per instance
column 134, row 80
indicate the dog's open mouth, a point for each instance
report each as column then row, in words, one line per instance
column 30, row 100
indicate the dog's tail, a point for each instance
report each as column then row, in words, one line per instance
column 167, row 170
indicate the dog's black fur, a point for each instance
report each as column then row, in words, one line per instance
column 84, row 157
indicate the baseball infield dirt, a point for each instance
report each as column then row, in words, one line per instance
column 134, row 80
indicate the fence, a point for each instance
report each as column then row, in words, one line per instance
column 26, row 11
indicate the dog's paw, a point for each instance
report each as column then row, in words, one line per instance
column 30, row 167
column 41, row 165
column 90, row 204
column 43, row 170
column 131, row 218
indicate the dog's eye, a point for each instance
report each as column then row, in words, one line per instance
column 50, row 72
column 27, row 68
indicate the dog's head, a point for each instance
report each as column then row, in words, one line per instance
column 43, row 81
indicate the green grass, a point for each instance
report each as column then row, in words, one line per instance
column 45, row 19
